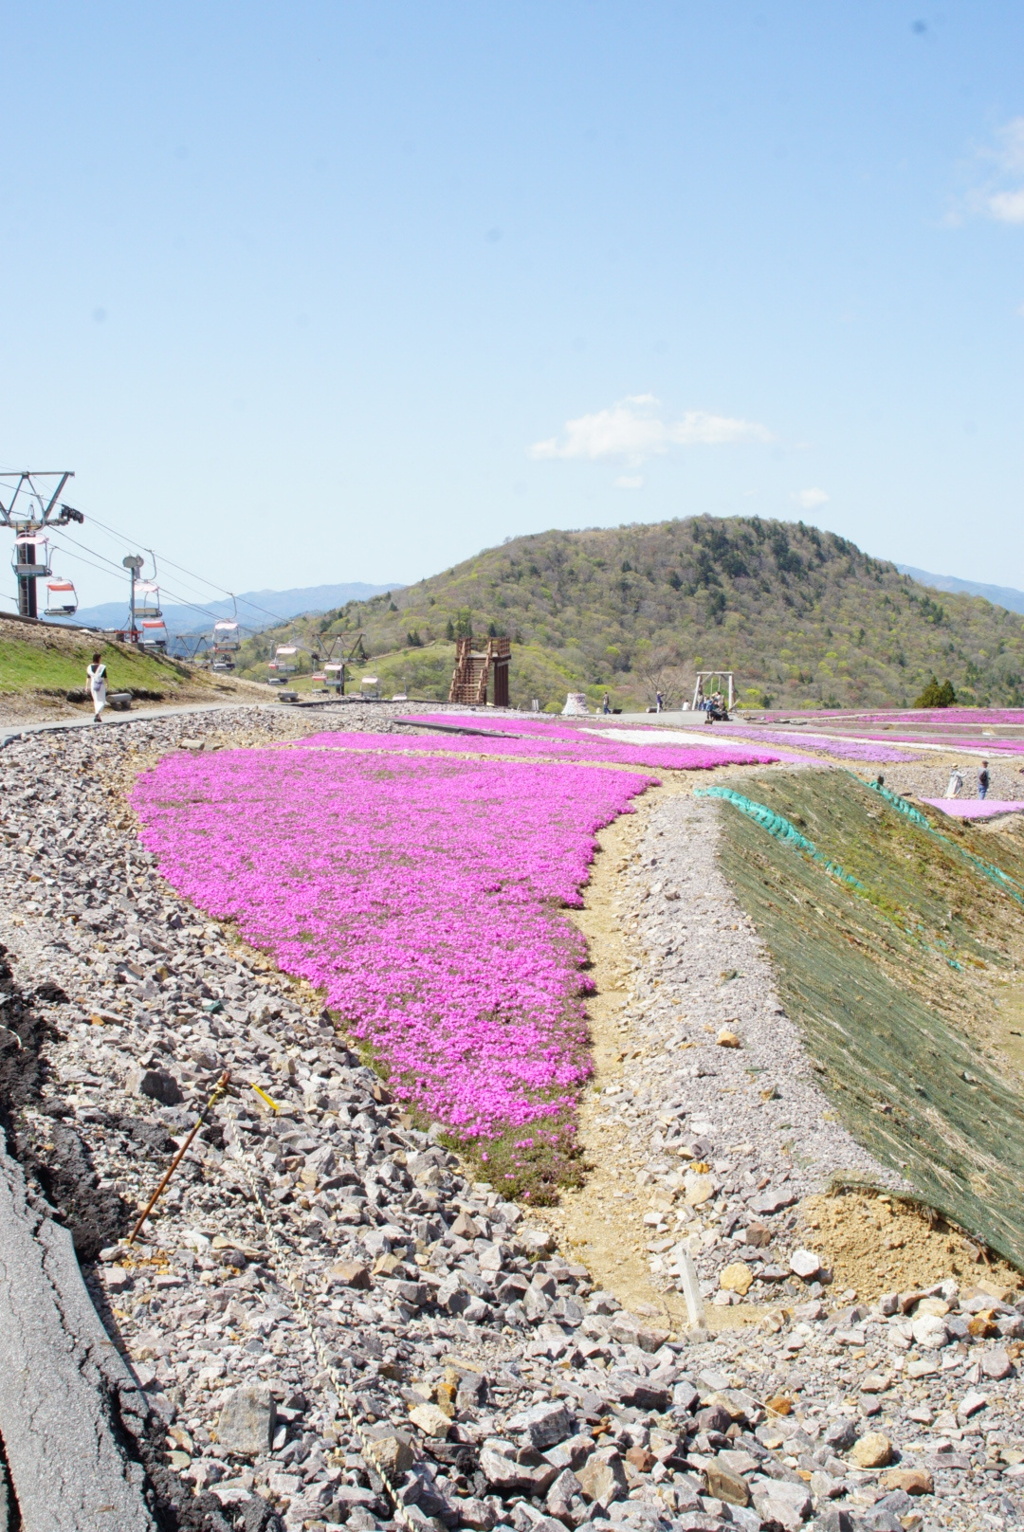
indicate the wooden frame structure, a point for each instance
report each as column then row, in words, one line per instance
column 715, row 680
column 473, row 670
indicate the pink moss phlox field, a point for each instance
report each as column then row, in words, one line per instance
column 975, row 808
column 964, row 716
column 829, row 744
column 973, row 742
column 566, row 743
column 946, row 717
column 418, row 894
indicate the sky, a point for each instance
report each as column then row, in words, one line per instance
column 350, row 291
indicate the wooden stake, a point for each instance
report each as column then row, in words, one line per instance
column 218, row 1091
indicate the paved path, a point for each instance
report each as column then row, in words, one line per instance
column 18, row 730
column 62, row 1383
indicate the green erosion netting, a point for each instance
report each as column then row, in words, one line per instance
column 880, row 928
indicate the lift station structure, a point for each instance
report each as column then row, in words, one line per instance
column 28, row 506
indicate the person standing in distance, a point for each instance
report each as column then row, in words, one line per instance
column 96, row 674
column 983, row 780
column 955, row 783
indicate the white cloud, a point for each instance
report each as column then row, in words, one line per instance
column 1002, row 196
column 810, row 499
column 1007, row 207
column 635, row 428
column 630, row 481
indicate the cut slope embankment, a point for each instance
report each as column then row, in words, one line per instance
column 897, row 949
column 43, row 665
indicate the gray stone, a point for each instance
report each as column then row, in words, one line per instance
column 773, row 1200
column 478, row 1514
column 832, row 1519
column 507, row 1476
column 567, row 1311
column 643, row 1393
column 545, row 1424
column 841, row 1434
column 157, row 1084
column 247, row 1420
column 602, row 1477
column 788, row 1504
column 562, row 1492
column 805, row 1264
column 996, row 1364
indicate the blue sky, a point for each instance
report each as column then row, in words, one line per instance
column 336, row 291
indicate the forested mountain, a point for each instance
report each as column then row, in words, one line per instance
column 803, row 617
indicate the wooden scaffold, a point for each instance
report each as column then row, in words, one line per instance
column 473, row 671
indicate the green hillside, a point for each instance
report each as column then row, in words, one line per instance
column 803, row 617
column 44, row 664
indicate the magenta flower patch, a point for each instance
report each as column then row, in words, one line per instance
column 563, row 742
column 829, row 744
column 421, row 895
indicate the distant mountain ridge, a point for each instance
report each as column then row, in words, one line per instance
column 257, row 609
column 999, row 595
column 802, row 617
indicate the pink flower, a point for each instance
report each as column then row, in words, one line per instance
column 420, row 894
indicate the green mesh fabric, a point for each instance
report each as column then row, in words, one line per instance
column 863, row 969
column 901, row 805
column 776, row 825
column 995, row 874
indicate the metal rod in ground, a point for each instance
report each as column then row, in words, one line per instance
column 215, row 1096
column 691, row 1290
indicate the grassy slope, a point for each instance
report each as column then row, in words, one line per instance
column 911, row 1050
column 803, row 617
column 35, row 659
column 51, row 661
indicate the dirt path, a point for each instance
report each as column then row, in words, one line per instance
column 601, row 1224
column 640, row 1037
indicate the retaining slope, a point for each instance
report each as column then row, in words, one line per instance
column 886, row 938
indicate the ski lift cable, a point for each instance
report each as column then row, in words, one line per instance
column 166, row 590
column 221, row 589
column 119, row 538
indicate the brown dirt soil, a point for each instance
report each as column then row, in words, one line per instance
column 593, row 1225
column 875, row 1244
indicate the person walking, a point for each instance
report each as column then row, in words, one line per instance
column 606, row 704
column 955, row 783
column 983, row 780
column 96, row 674
column 659, row 702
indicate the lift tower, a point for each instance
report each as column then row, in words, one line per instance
column 28, row 507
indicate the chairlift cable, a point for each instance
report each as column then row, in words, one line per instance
column 175, row 596
column 192, row 575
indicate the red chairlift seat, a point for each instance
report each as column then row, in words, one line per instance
column 285, row 653
column 153, row 632
column 61, row 599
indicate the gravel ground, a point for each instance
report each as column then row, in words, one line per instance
column 325, row 1255
column 745, row 1108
